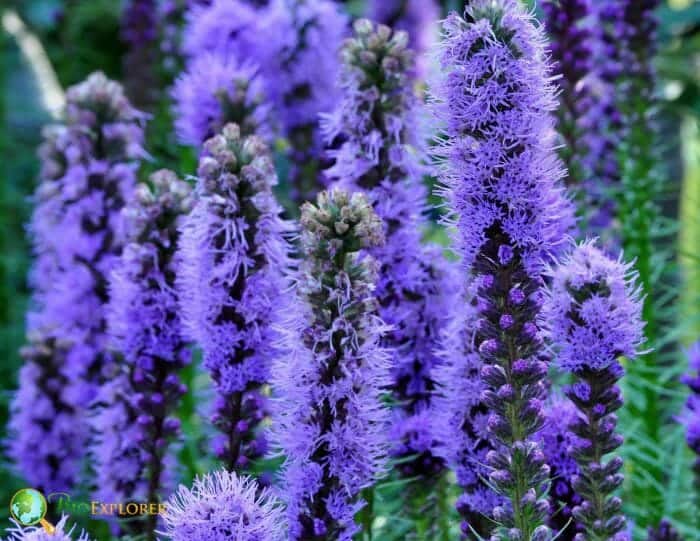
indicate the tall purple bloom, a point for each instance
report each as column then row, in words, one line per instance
column 140, row 33
column 214, row 91
column 222, row 506
column 593, row 314
column 136, row 421
column 568, row 26
column 88, row 173
column 418, row 18
column 691, row 415
column 235, row 254
column 375, row 122
column 329, row 421
column 37, row 533
column 500, row 175
column 300, row 41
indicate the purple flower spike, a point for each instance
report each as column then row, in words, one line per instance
column 593, row 315
column 136, row 422
column 88, row 172
column 140, row 34
column 691, row 415
column 222, row 506
column 214, row 91
column 38, row 533
column 299, row 56
column 330, row 422
column 501, row 177
column 234, row 255
column 663, row 532
column 374, row 121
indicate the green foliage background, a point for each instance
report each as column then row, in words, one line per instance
column 81, row 36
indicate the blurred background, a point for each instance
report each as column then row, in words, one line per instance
column 81, row 36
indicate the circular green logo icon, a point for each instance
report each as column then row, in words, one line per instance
column 28, row 506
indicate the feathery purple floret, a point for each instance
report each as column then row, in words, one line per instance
column 136, row 422
column 558, row 441
column 500, row 175
column 415, row 17
column 299, row 56
column 329, row 421
column 691, row 415
column 222, row 506
column 593, row 315
column 214, row 91
column 38, row 533
column 234, row 256
column 88, row 172
column 375, row 122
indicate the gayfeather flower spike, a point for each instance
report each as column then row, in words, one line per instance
column 375, row 122
column 140, row 33
column 501, row 177
column 88, row 172
column 593, row 315
column 329, row 421
column 136, row 421
column 691, row 415
column 37, row 533
column 221, row 506
column 234, row 255
column 216, row 90
column 299, row 57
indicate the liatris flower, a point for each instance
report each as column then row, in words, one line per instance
column 593, row 312
column 300, row 61
column 691, row 416
column 136, row 423
column 663, row 532
column 501, row 177
column 567, row 23
column 416, row 17
column 44, row 415
column 330, row 422
column 375, row 122
column 140, row 33
column 222, row 506
column 231, row 282
column 214, row 91
column 462, row 418
column 37, row 533
column 88, row 172
column 558, row 442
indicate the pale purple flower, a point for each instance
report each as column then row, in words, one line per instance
column 222, row 506
column 38, row 533
column 234, row 255
column 329, row 420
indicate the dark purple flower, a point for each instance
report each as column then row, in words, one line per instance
column 375, row 122
column 140, row 34
column 663, row 532
column 234, row 255
column 691, row 416
column 135, row 421
column 330, row 422
column 216, row 90
column 501, row 177
column 88, row 172
column 222, row 506
column 593, row 316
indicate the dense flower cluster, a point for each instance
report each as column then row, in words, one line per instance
column 568, row 26
column 329, row 421
column 375, row 122
column 222, row 506
column 593, row 313
column 234, row 256
column 691, row 416
column 415, row 17
column 38, row 533
column 214, row 91
column 500, row 175
column 88, row 173
column 136, row 420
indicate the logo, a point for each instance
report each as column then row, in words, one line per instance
column 28, row 507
